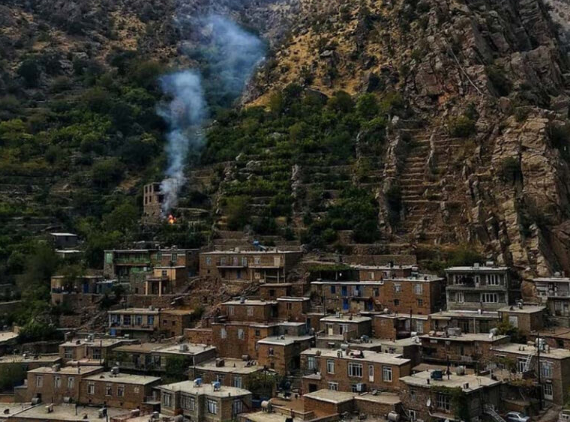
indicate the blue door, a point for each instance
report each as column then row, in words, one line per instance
column 344, row 291
column 85, row 287
column 345, row 304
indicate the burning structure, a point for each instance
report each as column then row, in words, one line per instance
column 153, row 204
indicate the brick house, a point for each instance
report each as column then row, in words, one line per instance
column 293, row 308
column 228, row 372
column 554, row 293
column 235, row 339
column 396, row 326
column 431, row 399
column 269, row 266
column 462, row 349
column 117, row 390
column 283, row 353
column 91, row 349
column 347, row 326
column 554, row 366
column 352, row 370
column 250, row 310
column 420, row 293
column 468, row 321
column 153, row 357
column 527, row 318
column 203, row 402
column 144, row 323
column 55, row 384
column 272, row 291
column 483, row 287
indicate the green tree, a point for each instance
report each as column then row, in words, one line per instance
column 237, row 211
column 175, row 369
column 30, row 72
column 11, row 375
column 124, row 218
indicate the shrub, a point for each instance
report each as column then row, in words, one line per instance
column 462, row 127
column 237, row 211
column 499, row 80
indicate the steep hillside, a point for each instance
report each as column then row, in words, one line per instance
column 466, row 142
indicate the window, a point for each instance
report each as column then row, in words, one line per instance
column 397, row 287
column 256, row 260
column 208, row 260
column 150, row 320
column 91, row 388
column 238, row 382
column 167, row 399
column 548, row 391
column 289, row 306
column 164, row 273
column 220, row 378
column 230, row 310
column 223, row 333
column 546, row 369
column 57, row 382
column 311, row 363
column 460, row 297
column 39, row 381
column 212, row 406
column 138, row 319
column 257, row 333
column 330, row 366
column 493, row 279
column 418, row 289
column 387, row 373
column 70, row 383
column 108, row 390
column 489, row 298
column 136, row 390
column 443, row 402
column 237, row 407
column 120, row 391
column 126, row 320
column 412, row 415
column 244, row 261
column 413, row 395
column 187, row 402
column 396, row 302
column 250, row 311
column 419, row 327
column 420, row 302
column 371, row 373
column 97, row 353
column 333, row 290
column 68, row 353
column 514, row 320
column 241, row 334
column 333, row 386
column 371, row 275
column 223, row 261
column 355, row 369
column 376, row 292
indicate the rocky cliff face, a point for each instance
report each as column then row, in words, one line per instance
column 485, row 158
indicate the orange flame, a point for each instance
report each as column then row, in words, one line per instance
column 171, row 219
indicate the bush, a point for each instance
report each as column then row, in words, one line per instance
column 462, row 127
column 30, row 72
column 237, row 211
column 499, row 80
column 510, row 169
column 107, row 171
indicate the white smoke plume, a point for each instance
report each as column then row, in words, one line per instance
column 233, row 54
column 184, row 115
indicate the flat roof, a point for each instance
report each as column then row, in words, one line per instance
column 402, row 316
column 526, row 309
column 344, row 318
column 63, row 234
column 123, row 378
column 61, row 412
column 382, row 398
column 552, row 279
column 525, row 350
column 275, row 285
column 104, row 342
column 269, row 417
column 481, row 337
column 409, row 341
column 369, row 356
column 464, row 314
column 30, row 358
column 141, row 348
column 330, row 396
column 292, row 299
column 554, row 332
column 67, row 370
column 134, row 311
column 474, row 382
column 249, row 252
column 283, row 340
column 250, row 302
column 192, row 349
column 382, row 267
column 476, row 269
column 231, row 366
column 422, row 278
column 7, row 336
column 191, row 388
column 177, row 311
